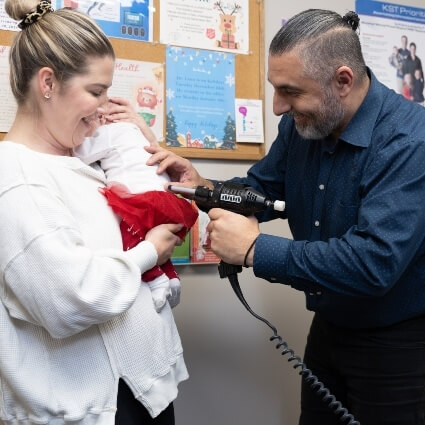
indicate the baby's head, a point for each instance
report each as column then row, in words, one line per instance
column 99, row 118
column 418, row 74
column 102, row 113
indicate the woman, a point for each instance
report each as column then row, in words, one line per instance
column 79, row 334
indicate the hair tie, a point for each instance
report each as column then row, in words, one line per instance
column 42, row 8
column 352, row 19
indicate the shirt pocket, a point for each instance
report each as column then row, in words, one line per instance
column 344, row 217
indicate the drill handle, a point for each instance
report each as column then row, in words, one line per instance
column 225, row 269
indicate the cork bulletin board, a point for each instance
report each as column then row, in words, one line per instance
column 249, row 76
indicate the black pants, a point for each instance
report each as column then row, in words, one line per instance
column 377, row 374
column 132, row 412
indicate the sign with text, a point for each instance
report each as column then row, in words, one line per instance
column 200, row 98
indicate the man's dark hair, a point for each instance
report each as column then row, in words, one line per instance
column 324, row 41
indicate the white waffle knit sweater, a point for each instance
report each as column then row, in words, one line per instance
column 74, row 317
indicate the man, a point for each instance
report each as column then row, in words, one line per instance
column 404, row 53
column 412, row 63
column 349, row 162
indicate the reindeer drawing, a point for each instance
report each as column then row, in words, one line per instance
column 227, row 27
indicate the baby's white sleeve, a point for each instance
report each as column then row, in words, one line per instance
column 94, row 148
column 125, row 162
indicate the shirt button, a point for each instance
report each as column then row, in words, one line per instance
column 317, row 223
column 321, row 186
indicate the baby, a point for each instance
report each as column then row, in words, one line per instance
column 136, row 193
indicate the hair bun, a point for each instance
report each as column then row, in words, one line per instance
column 352, row 19
column 42, row 8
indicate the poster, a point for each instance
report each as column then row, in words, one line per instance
column 128, row 19
column 142, row 83
column 181, row 253
column 207, row 24
column 393, row 43
column 200, row 243
column 8, row 103
column 249, row 120
column 200, row 98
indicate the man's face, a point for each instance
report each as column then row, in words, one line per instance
column 318, row 112
column 403, row 42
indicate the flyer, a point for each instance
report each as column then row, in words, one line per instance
column 206, row 24
column 249, row 120
column 200, row 243
column 128, row 19
column 8, row 104
column 393, row 43
column 200, row 97
column 142, row 83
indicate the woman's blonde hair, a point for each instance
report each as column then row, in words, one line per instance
column 63, row 40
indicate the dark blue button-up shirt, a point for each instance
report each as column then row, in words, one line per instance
column 356, row 210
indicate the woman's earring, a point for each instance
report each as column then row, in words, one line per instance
column 47, row 95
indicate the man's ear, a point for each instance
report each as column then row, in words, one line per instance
column 344, row 80
column 46, row 81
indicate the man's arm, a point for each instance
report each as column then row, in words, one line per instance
column 179, row 169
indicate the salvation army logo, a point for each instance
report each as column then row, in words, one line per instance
column 210, row 32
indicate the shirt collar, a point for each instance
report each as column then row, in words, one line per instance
column 359, row 130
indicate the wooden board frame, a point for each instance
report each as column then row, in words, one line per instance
column 249, row 76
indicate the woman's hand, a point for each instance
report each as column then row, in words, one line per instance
column 180, row 170
column 164, row 239
column 120, row 109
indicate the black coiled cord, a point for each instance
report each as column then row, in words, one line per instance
column 231, row 272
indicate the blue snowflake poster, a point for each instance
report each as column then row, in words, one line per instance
column 200, row 99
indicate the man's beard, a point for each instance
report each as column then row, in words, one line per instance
column 323, row 122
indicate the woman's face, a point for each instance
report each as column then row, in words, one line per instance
column 72, row 113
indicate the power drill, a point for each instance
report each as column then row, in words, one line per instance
column 231, row 196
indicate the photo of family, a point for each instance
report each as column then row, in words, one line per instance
column 409, row 72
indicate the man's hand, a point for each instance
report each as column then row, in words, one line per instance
column 180, row 170
column 231, row 235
